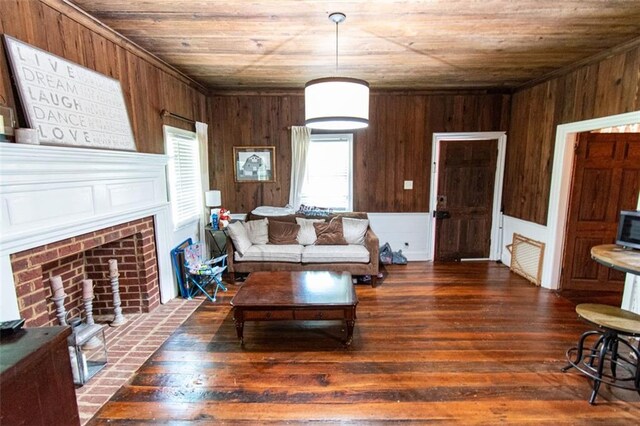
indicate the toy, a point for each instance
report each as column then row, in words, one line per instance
column 224, row 217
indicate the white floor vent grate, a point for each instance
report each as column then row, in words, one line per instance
column 526, row 258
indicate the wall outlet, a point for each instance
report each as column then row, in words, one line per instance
column 408, row 184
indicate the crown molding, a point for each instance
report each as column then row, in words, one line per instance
column 375, row 92
column 628, row 45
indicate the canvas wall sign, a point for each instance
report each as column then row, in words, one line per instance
column 69, row 104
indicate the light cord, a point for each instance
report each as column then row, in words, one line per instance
column 337, row 47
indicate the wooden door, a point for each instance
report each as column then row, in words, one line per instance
column 606, row 179
column 466, row 177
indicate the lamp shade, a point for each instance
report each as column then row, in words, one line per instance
column 213, row 198
column 336, row 103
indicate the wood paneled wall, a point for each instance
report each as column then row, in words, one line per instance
column 394, row 148
column 147, row 87
column 252, row 121
column 607, row 87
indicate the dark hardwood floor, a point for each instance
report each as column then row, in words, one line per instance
column 463, row 343
column 576, row 297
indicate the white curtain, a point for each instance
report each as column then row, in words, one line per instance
column 300, row 139
column 203, row 142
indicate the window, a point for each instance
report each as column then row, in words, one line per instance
column 185, row 191
column 329, row 177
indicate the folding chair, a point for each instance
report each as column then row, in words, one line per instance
column 198, row 273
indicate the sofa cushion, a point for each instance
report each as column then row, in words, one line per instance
column 330, row 233
column 273, row 211
column 288, row 218
column 239, row 236
column 307, row 232
column 354, row 230
column 283, row 232
column 335, row 254
column 258, row 231
column 314, row 210
column 271, row 253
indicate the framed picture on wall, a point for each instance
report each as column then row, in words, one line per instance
column 254, row 163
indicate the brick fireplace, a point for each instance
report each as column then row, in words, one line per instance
column 67, row 211
column 132, row 244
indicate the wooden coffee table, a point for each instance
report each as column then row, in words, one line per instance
column 302, row 296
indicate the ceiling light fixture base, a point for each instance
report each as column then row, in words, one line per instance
column 337, row 17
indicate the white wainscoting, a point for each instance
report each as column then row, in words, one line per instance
column 50, row 193
column 408, row 232
column 511, row 225
column 631, row 295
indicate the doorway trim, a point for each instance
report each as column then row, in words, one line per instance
column 561, row 174
column 496, row 216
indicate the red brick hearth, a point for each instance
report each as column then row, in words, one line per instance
column 87, row 256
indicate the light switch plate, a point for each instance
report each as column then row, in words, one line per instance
column 408, row 184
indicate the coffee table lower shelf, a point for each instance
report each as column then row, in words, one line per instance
column 315, row 313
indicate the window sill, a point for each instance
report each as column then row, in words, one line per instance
column 185, row 224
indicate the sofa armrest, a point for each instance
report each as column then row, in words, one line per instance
column 230, row 251
column 372, row 244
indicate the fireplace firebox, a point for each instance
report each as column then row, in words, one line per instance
column 132, row 244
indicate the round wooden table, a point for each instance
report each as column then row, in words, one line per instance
column 617, row 257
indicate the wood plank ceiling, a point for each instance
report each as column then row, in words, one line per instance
column 392, row 44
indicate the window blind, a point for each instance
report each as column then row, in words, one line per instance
column 185, row 191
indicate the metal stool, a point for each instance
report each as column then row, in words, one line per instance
column 615, row 324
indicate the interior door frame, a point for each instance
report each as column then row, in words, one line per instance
column 561, row 173
column 495, row 252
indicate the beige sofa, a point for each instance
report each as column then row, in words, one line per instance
column 358, row 259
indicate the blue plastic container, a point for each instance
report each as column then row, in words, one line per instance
column 214, row 221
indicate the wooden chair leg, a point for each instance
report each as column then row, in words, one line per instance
column 374, row 280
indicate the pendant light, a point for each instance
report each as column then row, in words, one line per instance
column 336, row 103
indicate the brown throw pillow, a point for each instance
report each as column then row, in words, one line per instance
column 283, row 232
column 330, row 233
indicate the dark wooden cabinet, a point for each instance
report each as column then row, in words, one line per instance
column 36, row 384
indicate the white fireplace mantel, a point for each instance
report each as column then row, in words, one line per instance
column 50, row 193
